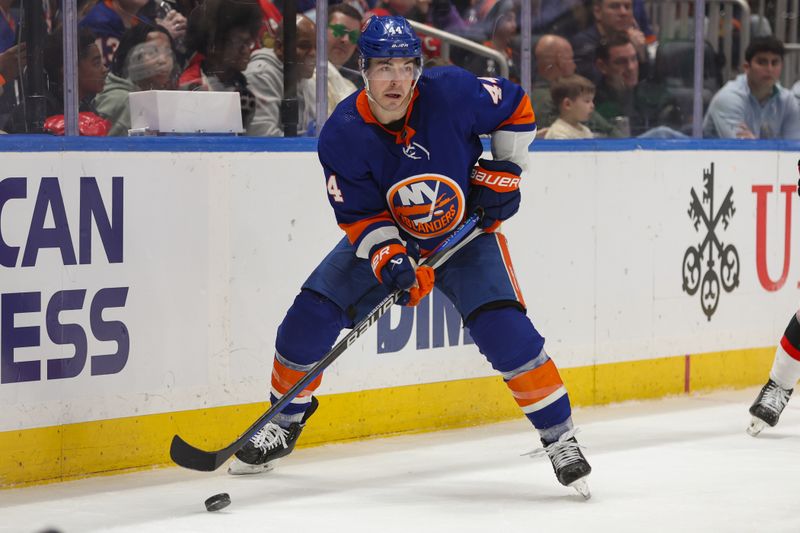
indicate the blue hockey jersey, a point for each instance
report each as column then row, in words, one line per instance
column 386, row 185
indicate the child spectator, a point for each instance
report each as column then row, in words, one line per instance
column 91, row 71
column 91, row 77
column 145, row 60
column 574, row 96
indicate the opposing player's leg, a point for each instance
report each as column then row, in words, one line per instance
column 480, row 281
column 338, row 292
column 773, row 397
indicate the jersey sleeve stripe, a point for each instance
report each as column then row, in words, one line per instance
column 355, row 230
column 523, row 116
column 375, row 237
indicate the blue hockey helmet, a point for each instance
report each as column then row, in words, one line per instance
column 388, row 37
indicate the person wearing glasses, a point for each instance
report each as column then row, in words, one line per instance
column 344, row 28
column 221, row 35
column 402, row 168
column 265, row 78
column 110, row 19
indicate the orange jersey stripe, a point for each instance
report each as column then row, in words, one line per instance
column 354, row 230
column 503, row 243
column 284, row 378
column 400, row 137
column 536, row 384
column 522, row 115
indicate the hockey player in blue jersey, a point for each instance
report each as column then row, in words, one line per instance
column 402, row 169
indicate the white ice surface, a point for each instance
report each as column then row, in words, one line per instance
column 680, row 464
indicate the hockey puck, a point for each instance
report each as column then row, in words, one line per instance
column 218, row 501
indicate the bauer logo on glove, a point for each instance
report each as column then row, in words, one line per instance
column 494, row 188
column 497, row 181
column 394, row 268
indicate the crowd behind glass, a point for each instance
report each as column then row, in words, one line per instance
column 599, row 68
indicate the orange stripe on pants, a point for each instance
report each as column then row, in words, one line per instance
column 536, row 384
column 284, row 378
column 503, row 243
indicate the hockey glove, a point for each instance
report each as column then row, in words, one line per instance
column 494, row 187
column 397, row 271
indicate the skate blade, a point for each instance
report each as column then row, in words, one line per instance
column 582, row 487
column 756, row 426
column 240, row 468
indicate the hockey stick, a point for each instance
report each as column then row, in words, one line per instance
column 187, row 456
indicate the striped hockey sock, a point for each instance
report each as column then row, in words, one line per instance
column 786, row 365
column 540, row 393
column 284, row 375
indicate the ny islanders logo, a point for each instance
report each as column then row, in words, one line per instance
column 426, row 205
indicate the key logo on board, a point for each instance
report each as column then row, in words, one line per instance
column 713, row 265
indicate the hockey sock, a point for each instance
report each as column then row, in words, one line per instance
column 508, row 339
column 307, row 333
column 786, row 365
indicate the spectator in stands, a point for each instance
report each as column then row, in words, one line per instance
column 91, row 78
column 265, row 76
column 574, row 96
column 109, row 19
column 344, row 29
column 503, row 30
column 222, row 34
column 8, row 26
column 754, row 105
column 643, row 108
column 91, row 71
column 612, row 17
column 145, row 60
column 554, row 60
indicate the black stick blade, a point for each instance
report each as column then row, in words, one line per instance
column 187, row 456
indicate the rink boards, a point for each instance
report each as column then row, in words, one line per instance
column 143, row 281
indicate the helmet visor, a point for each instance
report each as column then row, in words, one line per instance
column 382, row 70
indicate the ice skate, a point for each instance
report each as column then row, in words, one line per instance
column 569, row 464
column 767, row 408
column 271, row 443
